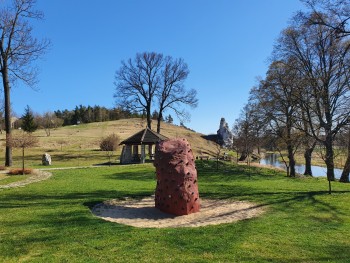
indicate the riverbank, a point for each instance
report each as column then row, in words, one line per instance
column 317, row 160
column 275, row 161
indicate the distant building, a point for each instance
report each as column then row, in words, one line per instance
column 225, row 135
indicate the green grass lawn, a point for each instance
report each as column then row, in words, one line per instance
column 6, row 179
column 66, row 158
column 50, row 221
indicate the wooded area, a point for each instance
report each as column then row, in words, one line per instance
column 304, row 100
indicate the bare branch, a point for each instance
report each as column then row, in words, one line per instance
column 152, row 77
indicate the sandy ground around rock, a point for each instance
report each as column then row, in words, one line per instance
column 142, row 213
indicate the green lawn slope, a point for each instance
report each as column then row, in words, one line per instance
column 50, row 221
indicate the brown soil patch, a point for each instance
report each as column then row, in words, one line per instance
column 142, row 213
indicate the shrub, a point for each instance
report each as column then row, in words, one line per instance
column 19, row 171
column 110, row 144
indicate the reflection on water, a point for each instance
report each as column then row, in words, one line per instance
column 272, row 159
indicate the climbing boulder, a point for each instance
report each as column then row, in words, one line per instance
column 177, row 186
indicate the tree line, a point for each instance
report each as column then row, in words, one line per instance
column 304, row 100
column 80, row 114
column 31, row 121
column 88, row 114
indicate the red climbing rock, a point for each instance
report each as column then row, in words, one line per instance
column 177, row 186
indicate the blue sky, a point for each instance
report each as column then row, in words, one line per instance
column 226, row 44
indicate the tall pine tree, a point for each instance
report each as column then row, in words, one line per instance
column 28, row 123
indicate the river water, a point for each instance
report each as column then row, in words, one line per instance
column 272, row 159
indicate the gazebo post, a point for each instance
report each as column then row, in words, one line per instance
column 143, row 153
column 126, row 156
column 150, row 151
column 135, row 152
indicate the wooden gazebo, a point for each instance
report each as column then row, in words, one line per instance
column 130, row 151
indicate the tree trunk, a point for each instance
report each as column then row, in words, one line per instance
column 159, row 119
column 22, row 160
column 149, row 119
column 243, row 157
column 288, row 171
column 6, row 84
column 290, row 148
column 308, row 156
column 344, row 178
column 291, row 161
column 329, row 160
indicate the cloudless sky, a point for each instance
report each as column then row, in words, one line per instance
column 226, row 44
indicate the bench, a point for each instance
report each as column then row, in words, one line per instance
column 203, row 157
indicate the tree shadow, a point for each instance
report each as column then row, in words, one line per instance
column 286, row 201
column 88, row 199
column 134, row 176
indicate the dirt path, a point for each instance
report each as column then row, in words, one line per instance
column 37, row 176
column 142, row 213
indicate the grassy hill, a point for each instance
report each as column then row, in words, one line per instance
column 79, row 144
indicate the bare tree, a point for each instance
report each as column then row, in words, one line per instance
column 244, row 133
column 322, row 61
column 338, row 9
column 137, row 81
column 152, row 78
column 18, row 49
column 172, row 93
column 276, row 97
column 48, row 121
column 23, row 141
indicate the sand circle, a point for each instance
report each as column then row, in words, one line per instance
column 143, row 214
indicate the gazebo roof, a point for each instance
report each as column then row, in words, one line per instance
column 146, row 136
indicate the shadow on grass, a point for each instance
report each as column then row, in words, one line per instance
column 70, row 199
column 342, row 255
column 106, row 164
column 286, row 201
column 146, row 176
column 231, row 172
